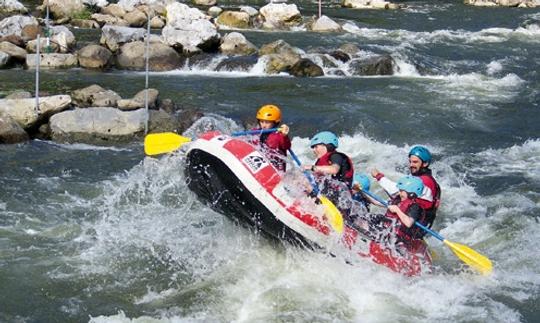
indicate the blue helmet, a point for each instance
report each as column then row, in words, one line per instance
column 362, row 180
column 324, row 137
column 411, row 184
column 422, row 153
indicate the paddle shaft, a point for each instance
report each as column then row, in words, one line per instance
column 308, row 175
column 253, row 132
column 380, row 200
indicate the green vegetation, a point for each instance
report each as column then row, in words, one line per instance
column 83, row 14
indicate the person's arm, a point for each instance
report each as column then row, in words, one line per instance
column 404, row 218
column 389, row 186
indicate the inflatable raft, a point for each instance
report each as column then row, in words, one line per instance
column 234, row 178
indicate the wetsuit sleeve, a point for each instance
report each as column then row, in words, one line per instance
column 389, row 186
column 415, row 212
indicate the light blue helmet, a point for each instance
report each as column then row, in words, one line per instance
column 325, row 137
column 422, row 153
column 411, row 184
column 362, row 180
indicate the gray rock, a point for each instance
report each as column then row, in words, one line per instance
column 94, row 57
column 236, row 44
column 138, row 100
column 10, row 131
column 377, row 65
column 237, row 63
column 24, row 112
column 305, row 67
column 95, row 96
column 19, row 95
column 161, row 57
column 100, row 126
column 13, row 51
column 54, row 60
column 115, row 36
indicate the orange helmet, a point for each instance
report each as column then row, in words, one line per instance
column 269, row 112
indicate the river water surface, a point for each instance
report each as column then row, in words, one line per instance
column 105, row 234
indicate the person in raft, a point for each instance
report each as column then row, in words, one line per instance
column 397, row 225
column 333, row 171
column 419, row 161
column 274, row 144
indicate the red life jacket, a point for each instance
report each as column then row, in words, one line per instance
column 274, row 146
column 342, row 175
column 430, row 206
column 402, row 232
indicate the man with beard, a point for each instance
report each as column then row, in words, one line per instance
column 419, row 161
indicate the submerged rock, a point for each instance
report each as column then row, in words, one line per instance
column 305, row 67
column 238, row 63
column 377, row 65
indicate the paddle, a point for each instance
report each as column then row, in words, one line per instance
column 334, row 216
column 167, row 142
column 466, row 254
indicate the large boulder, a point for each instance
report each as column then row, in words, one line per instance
column 234, row 19
column 236, row 44
column 95, row 96
column 280, row 16
column 54, row 60
column 63, row 37
column 189, row 29
column 12, row 6
column 279, row 56
column 138, row 101
column 305, row 67
column 10, row 131
column 14, row 51
column 114, row 36
column 102, row 125
column 376, row 65
column 131, row 56
column 325, row 24
column 13, row 26
column 104, row 20
column 24, row 112
column 64, row 8
column 114, row 10
column 94, row 57
column 136, row 18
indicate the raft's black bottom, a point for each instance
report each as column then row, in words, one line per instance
column 215, row 184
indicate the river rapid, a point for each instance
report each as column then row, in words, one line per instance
column 107, row 235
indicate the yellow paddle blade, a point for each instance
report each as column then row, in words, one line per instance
column 332, row 213
column 471, row 257
column 166, row 142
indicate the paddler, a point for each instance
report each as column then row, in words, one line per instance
column 419, row 161
column 275, row 144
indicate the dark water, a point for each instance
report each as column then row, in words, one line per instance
column 103, row 233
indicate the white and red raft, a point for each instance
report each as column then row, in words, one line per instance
column 233, row 177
